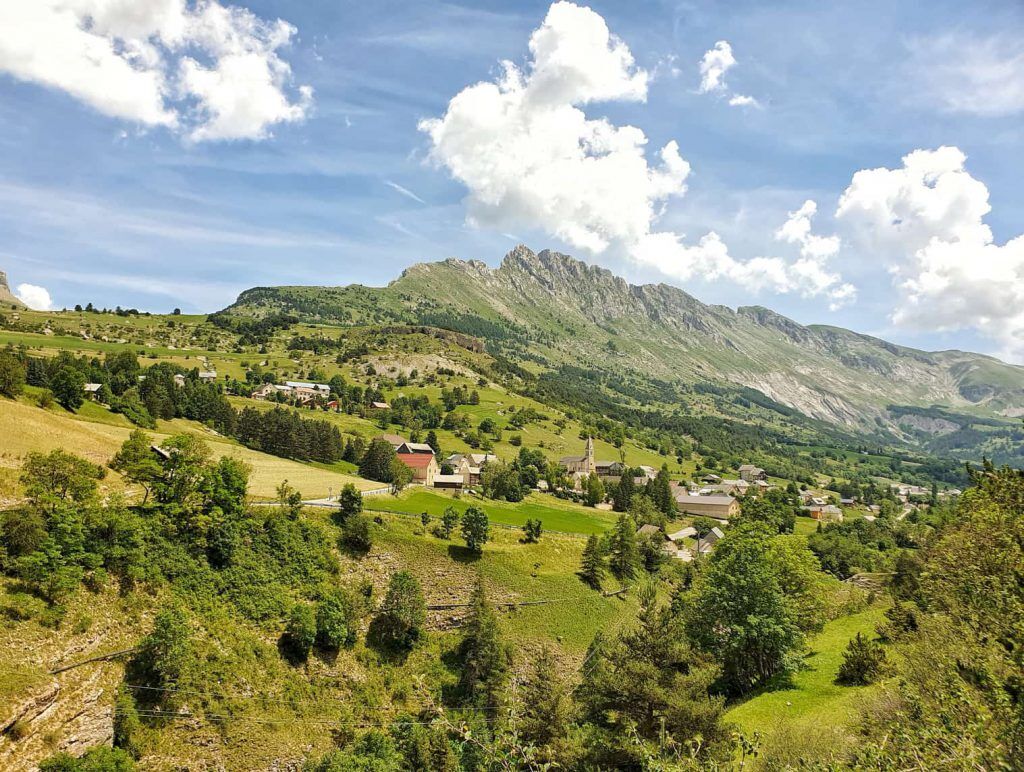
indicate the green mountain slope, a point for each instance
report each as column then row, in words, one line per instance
column 551, row 311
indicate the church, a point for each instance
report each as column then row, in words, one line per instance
column 584, row 464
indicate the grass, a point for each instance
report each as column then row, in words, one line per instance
column 555, row 514
column 813, row 708
column 95, row 433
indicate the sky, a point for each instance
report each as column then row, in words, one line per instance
column 853, row 164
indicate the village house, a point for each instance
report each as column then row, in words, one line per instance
column 207, row 376
column 414, row 447
column 749, row 472
column 380, row 406
column 707, row 542
column 179, row 380
column 730, row 487
column 92, row 390
column 469, row 465
column 824, row 512
column 711, row 479
column 718, row 507
column 454, row 481
column 423, row 465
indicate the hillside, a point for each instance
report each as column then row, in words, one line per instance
column 551, row 312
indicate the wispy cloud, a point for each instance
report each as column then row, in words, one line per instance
column 404, row 191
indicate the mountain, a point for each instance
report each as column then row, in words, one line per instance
column 553, row 311
column 7, row 298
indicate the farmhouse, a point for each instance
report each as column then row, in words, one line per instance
column 207, row 376
column 380, row 406
column 414, row 447
column 707, row 542
column 718, row 507
column 455, row 481
column 749, row 472
column 423, row 465
column 92, row 390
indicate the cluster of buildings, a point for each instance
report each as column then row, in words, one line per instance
column 579, row 468
column 682, row 544
column 420, row 458
column 303, row 393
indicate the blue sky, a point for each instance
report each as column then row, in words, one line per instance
column 99, row 204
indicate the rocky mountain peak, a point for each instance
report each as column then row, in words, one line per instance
column 7, row 298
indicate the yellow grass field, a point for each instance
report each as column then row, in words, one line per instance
column 24, row 428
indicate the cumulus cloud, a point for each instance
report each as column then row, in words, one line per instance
column 34, row 297
column 208, row 70
column 927, row 219
column 713, row 66
column 715, row 63
column 968, row 74
column 529, row 155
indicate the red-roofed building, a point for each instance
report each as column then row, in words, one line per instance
column 423, row 465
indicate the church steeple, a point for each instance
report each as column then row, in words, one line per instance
column 591, row 466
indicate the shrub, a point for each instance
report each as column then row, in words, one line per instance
column 864, row 662
column 300, row 633
column 335, row 621
column 402, row 614
column 355, row 533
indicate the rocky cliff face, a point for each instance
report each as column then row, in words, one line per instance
column 7, row 298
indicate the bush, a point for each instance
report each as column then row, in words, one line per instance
column 300, row 633
column 335, row 621
column 355, row 533
column 98, row 759
column 864, row 662
column 402, row 614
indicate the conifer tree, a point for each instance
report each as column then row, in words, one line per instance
column 625, row 554
column 592, row 567
column 485, row 658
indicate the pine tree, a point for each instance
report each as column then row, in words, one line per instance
column 485, row 658
column 592, row 567
column 376, row 462
column 624, row 491
column 399, row 622
column 864, row 662
column 545, row 702
column 625, row 554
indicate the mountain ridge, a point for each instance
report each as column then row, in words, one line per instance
column 562, row 311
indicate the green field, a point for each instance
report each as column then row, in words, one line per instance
column 555, row 514
column 814, row 712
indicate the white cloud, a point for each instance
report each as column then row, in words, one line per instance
column 742, row 100
column 715, row 63
column 530, row 156
column 34, row 297
column 927, row 219
column 967, row 74
column 713, row 66
column 208, row 70
column 404, row 191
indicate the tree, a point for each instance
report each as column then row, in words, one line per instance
column 68, row 387
column 433, row 443
column 137, row 463
column 593, row 490
column 400, row 474
column 864, row 662
column 546, row 706
column 449, row 520
column 659, row 490
column 777, row 508
column 625, row 554
column 350, row 501
column 166, row 654
column 532, row 531
column 12, row 375
column 300, row 632
column 485, row 658
column 399, row 623
column 376, row 462
column 97, row 759
column 592, row 565
column 502, row 481
column 58, row 477
column 336, row 620
column 622, row 494
column 746, row 608
column 703, row 526
column 649, row 690
column 474, row 528
column 355, row 533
